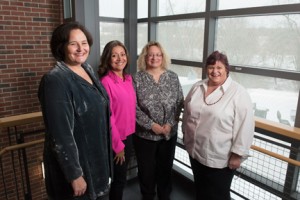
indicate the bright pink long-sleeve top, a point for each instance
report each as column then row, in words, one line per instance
column 122, row 104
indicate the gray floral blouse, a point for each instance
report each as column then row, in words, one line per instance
column 157, row 103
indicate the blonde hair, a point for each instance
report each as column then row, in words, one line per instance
column 141, row 62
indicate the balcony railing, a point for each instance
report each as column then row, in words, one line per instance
column 271, row 172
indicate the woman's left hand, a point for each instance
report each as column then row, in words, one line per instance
column 234, row 161
column 166, row 129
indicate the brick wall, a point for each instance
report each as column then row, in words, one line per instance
column 25, row 32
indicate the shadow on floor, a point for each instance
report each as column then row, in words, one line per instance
column 183, row 189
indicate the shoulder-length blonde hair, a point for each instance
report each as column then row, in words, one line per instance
column 141, row 62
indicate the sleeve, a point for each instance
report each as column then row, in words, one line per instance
column 243, row 127
column 178, row 105
column 58, row 116
column 185, row 115
column 142, row 118
column 117, row 144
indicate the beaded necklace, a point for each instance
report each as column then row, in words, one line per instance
column 210, row 104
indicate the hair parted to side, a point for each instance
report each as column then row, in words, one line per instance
column 105, row 58
column 141, row 62
column 60, row 38
column 217, row 56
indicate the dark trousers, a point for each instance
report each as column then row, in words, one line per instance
column 155, row 161
column 84, row 197
column 120, row 173
column 211, row 183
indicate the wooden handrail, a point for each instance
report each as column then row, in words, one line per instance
column 20, row 146
column 278, row 128
column 21, row 119
column 276, row 155
column 281, row 129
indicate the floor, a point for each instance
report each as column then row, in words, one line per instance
column 183, row 189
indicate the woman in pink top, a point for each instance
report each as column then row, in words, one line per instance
column 119, row 86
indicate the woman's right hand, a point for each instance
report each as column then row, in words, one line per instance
column 79, row 186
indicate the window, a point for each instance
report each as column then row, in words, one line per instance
column 110, row 31
column 254, row 3
column 261, row 41
column 182, row 40
column 111, row 8
column 175, row 7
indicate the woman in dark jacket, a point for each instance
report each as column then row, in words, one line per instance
column 77, row 151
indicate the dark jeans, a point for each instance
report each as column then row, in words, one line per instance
column 120, row 173
column 155, row 161
column 211, row 183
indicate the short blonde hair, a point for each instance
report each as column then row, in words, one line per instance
column 141, row 62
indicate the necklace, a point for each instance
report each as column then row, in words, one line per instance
column 210, row 104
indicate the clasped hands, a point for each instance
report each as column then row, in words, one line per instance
column 161, row 130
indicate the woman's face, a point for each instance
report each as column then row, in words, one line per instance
column 118, row 59
column 78, row 48
column 154, row 57
column 217, row 73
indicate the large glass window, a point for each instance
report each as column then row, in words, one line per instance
column 175, row 7
column 274, row 99
column 142, row 8
column 111, row 8
column 253, row 3
column 182, row 39
column 261, row 41
column 110, row 31
column 187, row 76
column 142, row 36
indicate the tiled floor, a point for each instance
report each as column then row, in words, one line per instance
column 183, row 189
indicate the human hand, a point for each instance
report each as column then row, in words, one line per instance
column 157, row 129
column 234, row 161
column 166, row 129
column 79, row 186
column 120, row 157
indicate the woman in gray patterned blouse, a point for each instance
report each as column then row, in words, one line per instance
column 159, row 103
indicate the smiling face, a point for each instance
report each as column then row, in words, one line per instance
column 217, row 73
column 154, row 57
column 118, row 59
column 77, row 49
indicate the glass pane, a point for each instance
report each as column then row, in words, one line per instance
column 67, row 9
column 254, row 3
column 111, row 8
column 142, row 36
column 187, row 76
column 182, row 39
column 110, row 31
column 175, row 7
column 273, row 98
column 142, row 9
column 261, row 41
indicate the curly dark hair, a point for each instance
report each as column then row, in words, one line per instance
column 60, row 37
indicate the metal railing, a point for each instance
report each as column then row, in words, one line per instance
column 271, row 172
column 20, row 157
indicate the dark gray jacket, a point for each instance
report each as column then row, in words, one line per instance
column 78, row 140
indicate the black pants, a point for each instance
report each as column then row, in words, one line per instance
column 120, row 173
column 84, row 197
column 211, row 183
column 155, row 161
